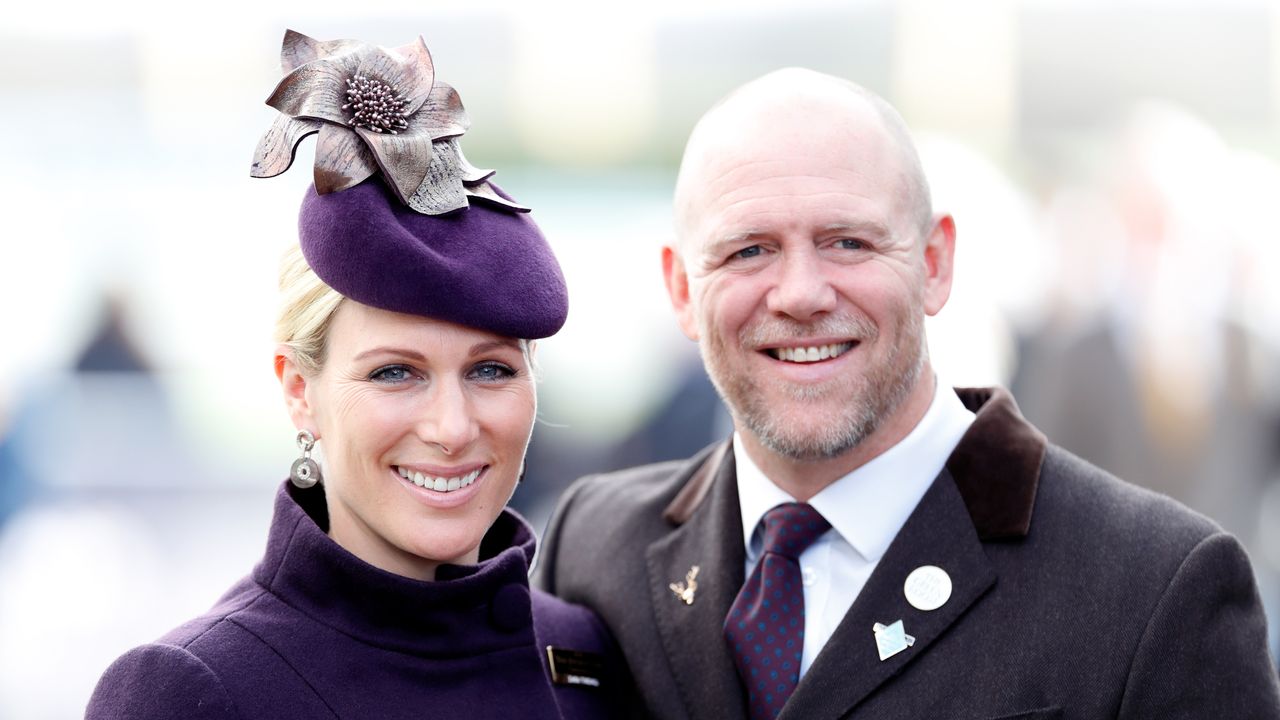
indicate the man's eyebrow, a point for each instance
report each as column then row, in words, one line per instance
column 715, row 247
column 866, row 228
column 862, row 227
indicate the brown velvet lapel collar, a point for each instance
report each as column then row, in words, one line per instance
column 996, row 468
column 697, row 486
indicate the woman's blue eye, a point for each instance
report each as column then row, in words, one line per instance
column 390, row 374
column 748, row 252
column 492, row 372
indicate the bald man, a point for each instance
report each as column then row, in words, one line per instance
column 869, row 543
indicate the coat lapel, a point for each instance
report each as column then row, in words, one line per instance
column 939, row 532
column 987, row 491
column 704, row 535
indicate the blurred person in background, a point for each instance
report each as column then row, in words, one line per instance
column 395, row 582
column 869, row 543
column 1160, row 377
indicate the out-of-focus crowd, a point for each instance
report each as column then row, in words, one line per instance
column 1117, row 274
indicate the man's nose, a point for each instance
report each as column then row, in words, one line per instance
column 802, row 289
column 448, row 419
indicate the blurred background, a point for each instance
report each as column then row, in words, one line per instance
column 1112, row 167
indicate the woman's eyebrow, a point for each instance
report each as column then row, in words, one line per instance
column 487, row 345
column 390, row 350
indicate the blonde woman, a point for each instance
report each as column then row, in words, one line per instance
column 394, row 582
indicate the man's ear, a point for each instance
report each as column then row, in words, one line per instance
column 293, row 382
column 677, row 280
column 939, row 255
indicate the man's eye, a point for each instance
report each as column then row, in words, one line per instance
column 850, row 244
column 747, row 252
column 492, row 372
column 390, row 374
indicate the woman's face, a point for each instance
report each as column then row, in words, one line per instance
column 423, row 426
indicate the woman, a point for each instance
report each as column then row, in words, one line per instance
column 396, row 584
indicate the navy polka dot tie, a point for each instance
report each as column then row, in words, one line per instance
column 765, row 626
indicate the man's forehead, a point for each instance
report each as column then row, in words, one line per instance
column 796, row 121
column 833, row 167
column 754, row 135
column 789, row 100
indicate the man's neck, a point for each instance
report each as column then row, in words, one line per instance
column 802, row 479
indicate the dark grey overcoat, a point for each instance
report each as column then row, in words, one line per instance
column 1075, row 596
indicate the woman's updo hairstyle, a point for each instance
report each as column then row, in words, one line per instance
column 307, row 306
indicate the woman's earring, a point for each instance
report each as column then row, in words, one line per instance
column 305, row 472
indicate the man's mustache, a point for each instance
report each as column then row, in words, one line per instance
column 775, row 330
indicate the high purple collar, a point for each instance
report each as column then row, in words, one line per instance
column 307, row 570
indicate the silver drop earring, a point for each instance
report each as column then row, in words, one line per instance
column 305, row 472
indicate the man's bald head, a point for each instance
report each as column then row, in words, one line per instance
column 789, row 106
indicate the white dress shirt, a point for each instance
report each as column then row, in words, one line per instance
column 866, row 509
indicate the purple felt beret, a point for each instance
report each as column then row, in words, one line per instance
column 482, row 266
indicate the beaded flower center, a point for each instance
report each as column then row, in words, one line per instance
column 375, row 105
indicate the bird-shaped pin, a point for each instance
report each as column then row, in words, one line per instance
column 685, row 590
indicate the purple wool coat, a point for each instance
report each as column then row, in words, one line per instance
column 314, row 632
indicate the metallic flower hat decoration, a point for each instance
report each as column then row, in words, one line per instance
column 374, row 109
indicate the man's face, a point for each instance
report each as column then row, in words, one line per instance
column 806, row 288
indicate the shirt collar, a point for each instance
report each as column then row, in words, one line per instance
column 868, row 506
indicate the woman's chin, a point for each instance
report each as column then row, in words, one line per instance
column 462, row 548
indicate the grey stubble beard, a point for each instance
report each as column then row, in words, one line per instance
column 876, row 394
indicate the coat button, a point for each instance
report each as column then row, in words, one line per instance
column 511, row 608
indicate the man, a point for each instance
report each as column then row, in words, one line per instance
column 871, row 545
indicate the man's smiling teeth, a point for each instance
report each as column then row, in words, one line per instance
column 813, row 353
column 439, row 484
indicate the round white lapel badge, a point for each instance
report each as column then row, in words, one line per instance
column 928, row 587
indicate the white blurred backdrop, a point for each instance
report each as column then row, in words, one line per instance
column 1112, row 167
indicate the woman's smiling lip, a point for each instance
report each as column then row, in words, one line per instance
column 450, row 488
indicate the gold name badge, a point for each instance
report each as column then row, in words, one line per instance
column 575, row 667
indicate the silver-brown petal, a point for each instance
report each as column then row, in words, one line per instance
column 317, row 89
column 403, row 157
column 416, row 55
column 410, row 75
column 443, row 112
column 279, row 145
column 298, row 49
column 470, row 173
column 441, row 190
column 342, row 160
column 485, row 191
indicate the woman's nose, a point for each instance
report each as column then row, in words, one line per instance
column 448, row 420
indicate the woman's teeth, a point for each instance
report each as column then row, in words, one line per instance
column 439, row 484
column 813, row 353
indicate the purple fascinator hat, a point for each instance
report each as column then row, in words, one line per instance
column 397, row 218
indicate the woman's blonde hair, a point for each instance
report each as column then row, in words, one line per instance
column 307, row 306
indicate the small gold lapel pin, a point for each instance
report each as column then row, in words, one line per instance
column 685, row 590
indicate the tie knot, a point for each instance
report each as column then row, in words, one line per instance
column 790, row 528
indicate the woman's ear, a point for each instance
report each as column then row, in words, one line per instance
column 294, row 384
